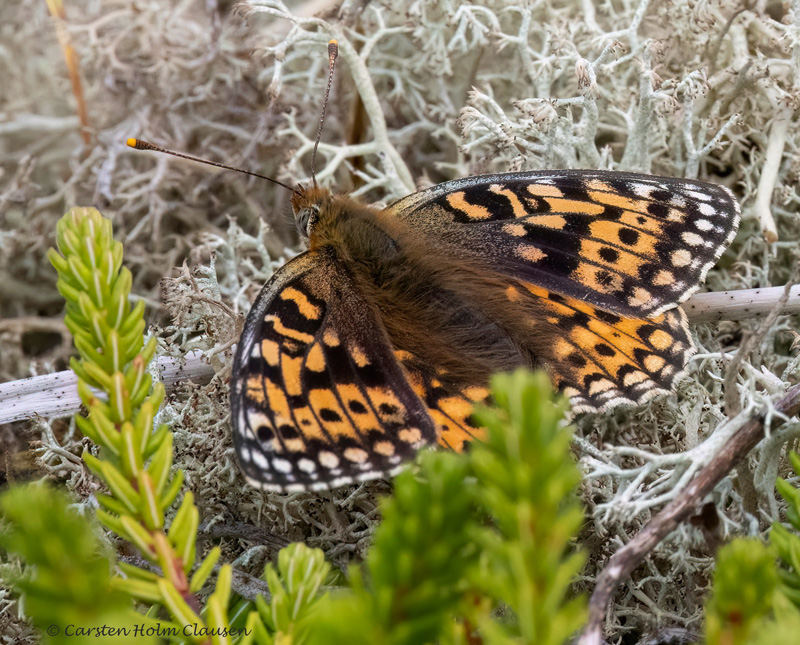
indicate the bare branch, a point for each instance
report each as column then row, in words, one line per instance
column 739, row 305
column 624, row 561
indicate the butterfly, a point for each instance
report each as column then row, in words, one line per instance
column 379, row 338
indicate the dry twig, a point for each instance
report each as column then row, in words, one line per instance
column 624, row 561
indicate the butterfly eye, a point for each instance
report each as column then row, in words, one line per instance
column 306, row 219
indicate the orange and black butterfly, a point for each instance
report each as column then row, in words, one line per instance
column 380, row 337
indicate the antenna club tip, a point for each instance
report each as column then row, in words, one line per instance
column 333, row 49
column 131, row 142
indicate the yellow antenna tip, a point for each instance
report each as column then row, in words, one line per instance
column 131, row 142
column 333, row 41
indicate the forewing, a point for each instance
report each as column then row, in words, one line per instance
column 318, row 398
column 630, row 243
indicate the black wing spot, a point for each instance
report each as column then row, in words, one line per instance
column 326, row 414
column 357, row 407
column 604, row 350
column 628, row 236
column 657, row 209
column 288, row 432
column 388, row 409
column 609, row 255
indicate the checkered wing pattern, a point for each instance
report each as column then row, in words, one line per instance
column 633, row 244
column 601, row 359
column 318, row 397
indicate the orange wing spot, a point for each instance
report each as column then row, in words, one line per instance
column 544, row 190
column 597, row 184
column 594, row 251
column 270, row 352
column 255, row 390
column 452, row 434
column 513, row 294
column 330, row 338
column 619, row 235
column 326, row 407
column 644, row 222
column 359, row 356
column 307, row 422
column 403, row 356
column 315, row 360
column 455, row 407
column 286, row 331
column 387, row 404
column 278, row 403
column 516, row 204
column 517, row 230
column 310, row 311
column 574, row 206
column 548, row 221
column 294, row 445
column 597, row 278
column 613, row 198
column 458, row 201
column 539, row 292
column 661, row 340
column 476, row 393
column 417, row 383
column 410, row 435
column 563, row 349
column 357, row 406
column 290, row 369
column 529, row 253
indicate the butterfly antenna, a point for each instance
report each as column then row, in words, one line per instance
column 144, row 145
column 333, row 52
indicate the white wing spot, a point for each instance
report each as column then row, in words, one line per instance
column 703, row 197
column 681, row 258
column 692, row 239
column 328, row 459
column 259, row 460
column 282, row 465
column 306, row 465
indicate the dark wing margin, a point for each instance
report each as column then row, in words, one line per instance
column 318, row 398
column 629, row 243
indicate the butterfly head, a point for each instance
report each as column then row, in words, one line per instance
column 309, row 205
